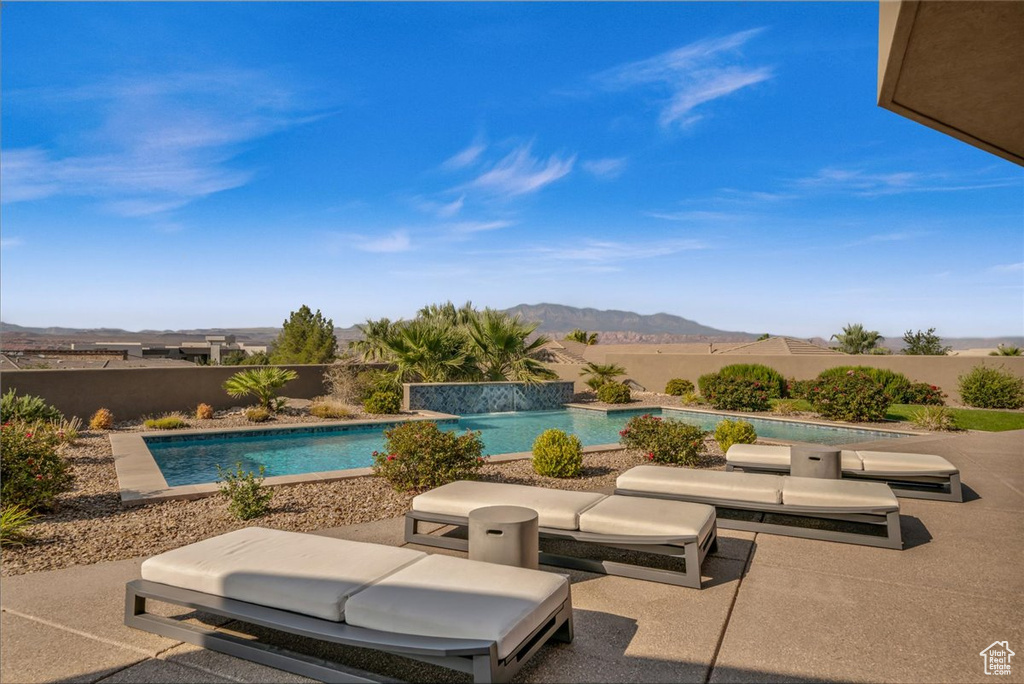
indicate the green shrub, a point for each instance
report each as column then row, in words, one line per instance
column 690, row 399
column 853, row 396
column 556, row 454
column 934, row 419
column 735, row 394
column 677, row 387
column 26, row 408
column 383, row 401
column 923, row 394
column 262, row 383
column 171, row 422
column 729, row 432
column 799, row 389
column 351, row 384
column 258, row 414
column 14, row 523
column 664, row 440
column 32, row 469
column 325, row 407
column 421, row 456
column 985, row 387
column 784, row 407
column 247, row 497
column 769, row 378
column 613, row 393
column 204, row 412
column 103, row 419
column 895, row 385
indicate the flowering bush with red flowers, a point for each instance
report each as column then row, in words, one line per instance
column 420, row 456
column 735, row 394
column 921, row 393
column 853, row 396
column 33, row 470
column 664, row 440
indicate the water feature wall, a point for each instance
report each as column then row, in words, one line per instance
column 486, row 397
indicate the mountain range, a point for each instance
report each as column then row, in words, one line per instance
column 556, row 320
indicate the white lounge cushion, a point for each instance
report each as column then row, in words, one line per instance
column 706, row 484
column 882, row 462
column 556, row 508
column 303, row 573
column 778, row 456
column 810, row 492
column 635, row 516
column 453, row 597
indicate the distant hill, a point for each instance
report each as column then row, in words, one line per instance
column 562, row 319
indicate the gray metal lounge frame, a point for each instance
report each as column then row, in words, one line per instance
column 884, row 520
column 474, row 656
column 909, row 485
column 689, row 549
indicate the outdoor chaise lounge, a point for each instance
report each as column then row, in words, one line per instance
column 870, row 503
column 479, row 618
column 911, row 476
column 672, row 528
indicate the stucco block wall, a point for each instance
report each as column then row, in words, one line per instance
column 654, row 370
column 134, row 392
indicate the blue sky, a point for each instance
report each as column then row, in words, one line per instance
column 180, row 165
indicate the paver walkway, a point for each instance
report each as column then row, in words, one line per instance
column 775, row 608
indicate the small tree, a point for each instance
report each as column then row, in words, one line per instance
column 856, row 340
column 924, row 343
column 582, row 336
column 601, row 373
column 305, row 338
column 261, row 383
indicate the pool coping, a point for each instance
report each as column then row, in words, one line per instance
column 140, row 481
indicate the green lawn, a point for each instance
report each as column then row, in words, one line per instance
column 968, row 419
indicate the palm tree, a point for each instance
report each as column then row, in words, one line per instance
column 373, row 346
column 1008, row 350
column 582, row 336
column 262, row 383
column 501, row 349
column 427, row 351
column 856, row 340
column 447, row 313
column 602, row 373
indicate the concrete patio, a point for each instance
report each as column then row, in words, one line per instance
column 773, row 608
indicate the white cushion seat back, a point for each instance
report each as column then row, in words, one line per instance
column 779, row 456
column 630, row 515
column 705, row 484
column 818, row 493
column 452, row 597
column 303, row 573
column 556, row 508
column 891, row 463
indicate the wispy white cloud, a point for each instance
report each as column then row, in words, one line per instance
column 478, row 226
column 605, row 169
column 520, row 173
column 397, row 241
column 10, row 243
column 879, row 238
column 440, row 208
column 872, row 184
column 694, row 216
column 690, row 76
column 163, row 141
column 1007, row 268
column 607, row 251
column 466, row 157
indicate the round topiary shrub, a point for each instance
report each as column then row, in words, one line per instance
column 204, row 412
column 421, row 456
column 677, row 387
column 768, row 378
column 895, row 385
column 729, row 432
column 664, row 441
column 258, row 414
column 556, row 454
column 383, row 401
column 103, row 419
column 923, row 394
column 613, row 393
column 985, row 387
column 735, row 394
column 853, row 396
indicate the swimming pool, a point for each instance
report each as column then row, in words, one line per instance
column 193, row 459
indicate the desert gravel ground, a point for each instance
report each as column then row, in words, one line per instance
column 91, row 526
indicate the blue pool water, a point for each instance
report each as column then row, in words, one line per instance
column 192, row 459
